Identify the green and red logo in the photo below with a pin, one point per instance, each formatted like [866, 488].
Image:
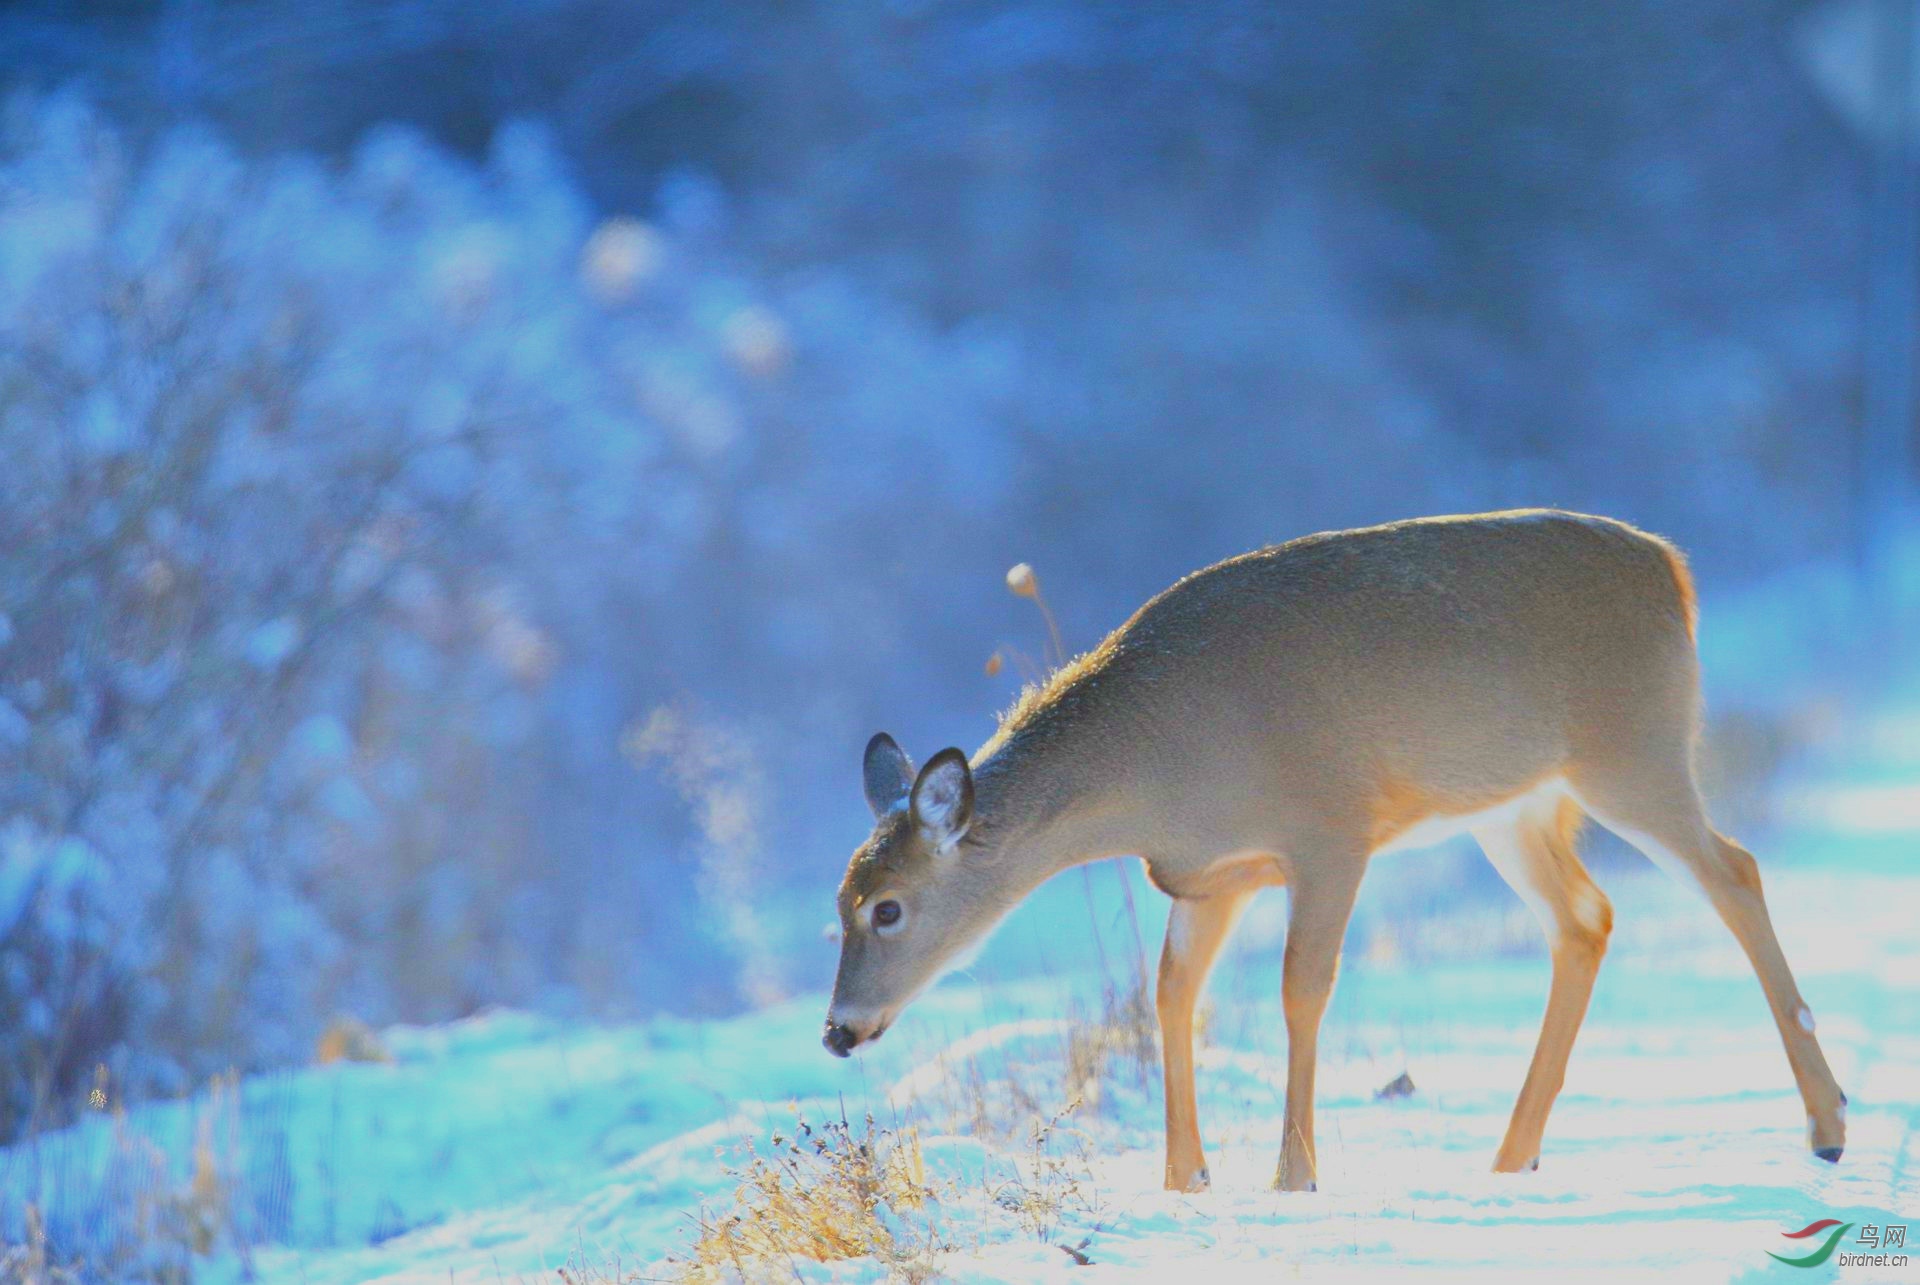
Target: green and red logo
[1831, 1228]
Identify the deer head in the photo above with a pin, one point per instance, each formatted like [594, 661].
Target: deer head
[917, 894]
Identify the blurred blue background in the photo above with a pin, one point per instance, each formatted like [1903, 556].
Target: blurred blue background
[472, 476]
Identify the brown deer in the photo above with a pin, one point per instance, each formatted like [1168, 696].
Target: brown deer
[1279, 718]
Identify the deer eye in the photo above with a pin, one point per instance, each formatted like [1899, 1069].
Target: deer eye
[888, 915]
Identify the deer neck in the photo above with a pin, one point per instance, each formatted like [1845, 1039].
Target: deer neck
[1050, 797]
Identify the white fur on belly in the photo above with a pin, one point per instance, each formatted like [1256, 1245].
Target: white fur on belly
[1428, 831]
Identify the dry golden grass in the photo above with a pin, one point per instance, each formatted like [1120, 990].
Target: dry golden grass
[836, 1192]
[848, 1190]
[153, 1222]
[31, 1263]
[584, 1269]
[1123, 1040]
[1054, 1184]
[168, 1223]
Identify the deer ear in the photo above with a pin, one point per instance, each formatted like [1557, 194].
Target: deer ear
[943, 799]
[888, 774]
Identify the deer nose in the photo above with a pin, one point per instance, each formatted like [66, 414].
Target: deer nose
[839, 1039]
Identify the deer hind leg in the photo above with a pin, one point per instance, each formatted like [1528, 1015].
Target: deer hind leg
[1320, 903]
[1196, 929]
[1534, 853]
[1659, 812]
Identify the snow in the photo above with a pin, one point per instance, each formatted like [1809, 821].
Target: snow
[501, 1147]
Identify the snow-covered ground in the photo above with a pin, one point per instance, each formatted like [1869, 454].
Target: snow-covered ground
[502, 1147]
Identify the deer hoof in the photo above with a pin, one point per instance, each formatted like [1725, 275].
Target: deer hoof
[1829, 1154]
[1197, 1181]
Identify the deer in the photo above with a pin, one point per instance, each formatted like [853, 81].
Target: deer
[1278, 719]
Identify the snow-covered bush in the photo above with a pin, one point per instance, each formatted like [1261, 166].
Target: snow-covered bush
[347, 515]
[63, 994]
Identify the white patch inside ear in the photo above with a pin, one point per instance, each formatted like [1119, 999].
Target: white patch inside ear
[939, 805]
[944, 842]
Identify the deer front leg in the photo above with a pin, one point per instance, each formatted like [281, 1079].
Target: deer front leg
[1321, 903]
[1196, 929]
